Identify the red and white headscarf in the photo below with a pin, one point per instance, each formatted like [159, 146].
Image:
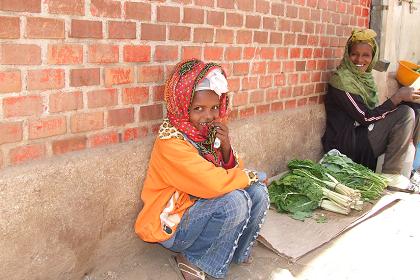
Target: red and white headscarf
[179, 93]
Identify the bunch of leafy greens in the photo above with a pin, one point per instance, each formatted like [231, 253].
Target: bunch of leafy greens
[353, 175]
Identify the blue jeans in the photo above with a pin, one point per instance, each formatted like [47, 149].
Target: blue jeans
[214, 232]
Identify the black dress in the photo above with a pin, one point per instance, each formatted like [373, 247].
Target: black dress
[348, 121]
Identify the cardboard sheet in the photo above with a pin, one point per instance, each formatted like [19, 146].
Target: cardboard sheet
[292, 239]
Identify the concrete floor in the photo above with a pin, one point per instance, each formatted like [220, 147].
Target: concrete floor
[386, 247]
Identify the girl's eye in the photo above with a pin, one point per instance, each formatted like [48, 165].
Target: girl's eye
[215, 107]
[197, 108]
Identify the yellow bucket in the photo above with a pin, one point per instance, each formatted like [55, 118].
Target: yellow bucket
[406, 73]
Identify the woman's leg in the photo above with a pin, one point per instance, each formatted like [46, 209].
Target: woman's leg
[209, 231]
[393, 136]
[260, 203]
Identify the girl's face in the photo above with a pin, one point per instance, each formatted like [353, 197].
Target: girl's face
[361, 56]
[204, 109]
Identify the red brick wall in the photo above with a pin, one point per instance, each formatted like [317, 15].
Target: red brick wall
[77, 74]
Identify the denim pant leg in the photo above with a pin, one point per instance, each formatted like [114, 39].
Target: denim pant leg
[208, 232]
[260, 204]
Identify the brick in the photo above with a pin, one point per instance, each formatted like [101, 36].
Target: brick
[31, 6]
[44, 28]
[134, 133]
[46, 127]
[260, 37]
[67, 7]
[279, 80]
[9, 27]
[289, 39]
[224, 36]
[138, 11]
[99, 53]
[121, 30]
[265, 81]
[84, 77]
[207, 3]
[256, 97]
[45, 79]
[234, 20]
[240, 68]
[191, 52]
[136, 53]
[245, 5]
[262, 6]
[151, 112]
[10, 132]
[102, 98]
[103, 139]
[294, 52]
[282, 53]
[227, 4]
[272, 95]
[215, 18]
[252, 21]
[120, 117]
[288, 66]
[262, 109]
[258, 68]
[291, 11]
[153, 32]
[277, 106]
[290, 104]
[179, 33]
[135, 95]
[244, 37]
[269, 23]
[203, 35]
[23, 154]
[240, 99]
[30, 105]
[86, 121]
[247, 112]
[249, 83]
[65, 54]
[233, 53]
[234, 84]
[166, 53]
[284, 25]
[168, 14]
[300, 65]
[276, 38]
[274, 67]
[213, 53]
[158, 93]
[86, 29]
[105, 8]
[148, 74]
[119, 76]
[20, 54]
[277, 9]
[297, 26]
[192, 15]
[69, 145]
[10, 81]
[63, 102]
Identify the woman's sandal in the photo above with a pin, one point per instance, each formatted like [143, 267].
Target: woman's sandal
[181, 267]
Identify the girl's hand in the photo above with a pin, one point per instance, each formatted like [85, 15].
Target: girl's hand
[222, 132]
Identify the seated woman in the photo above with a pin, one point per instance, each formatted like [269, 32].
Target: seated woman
[198, 199]
[356, 125]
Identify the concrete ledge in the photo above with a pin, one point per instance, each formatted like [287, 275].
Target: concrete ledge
[73, 215]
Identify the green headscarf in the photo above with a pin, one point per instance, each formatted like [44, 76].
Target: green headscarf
[349, 78]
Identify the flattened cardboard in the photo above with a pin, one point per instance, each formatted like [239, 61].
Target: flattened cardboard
[292, 239]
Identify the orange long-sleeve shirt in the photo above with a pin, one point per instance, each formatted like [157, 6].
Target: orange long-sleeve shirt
[177, 173]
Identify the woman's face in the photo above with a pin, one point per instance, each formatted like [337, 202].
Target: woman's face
[360, 55]
[204, 109]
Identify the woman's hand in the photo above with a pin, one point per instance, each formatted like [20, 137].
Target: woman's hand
[222, 132]
[403, 94]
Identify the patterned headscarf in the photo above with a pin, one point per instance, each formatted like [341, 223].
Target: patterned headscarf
[349, 78]
[179, 93]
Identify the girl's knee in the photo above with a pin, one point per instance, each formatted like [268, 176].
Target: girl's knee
[236, 205]
[258, 193]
